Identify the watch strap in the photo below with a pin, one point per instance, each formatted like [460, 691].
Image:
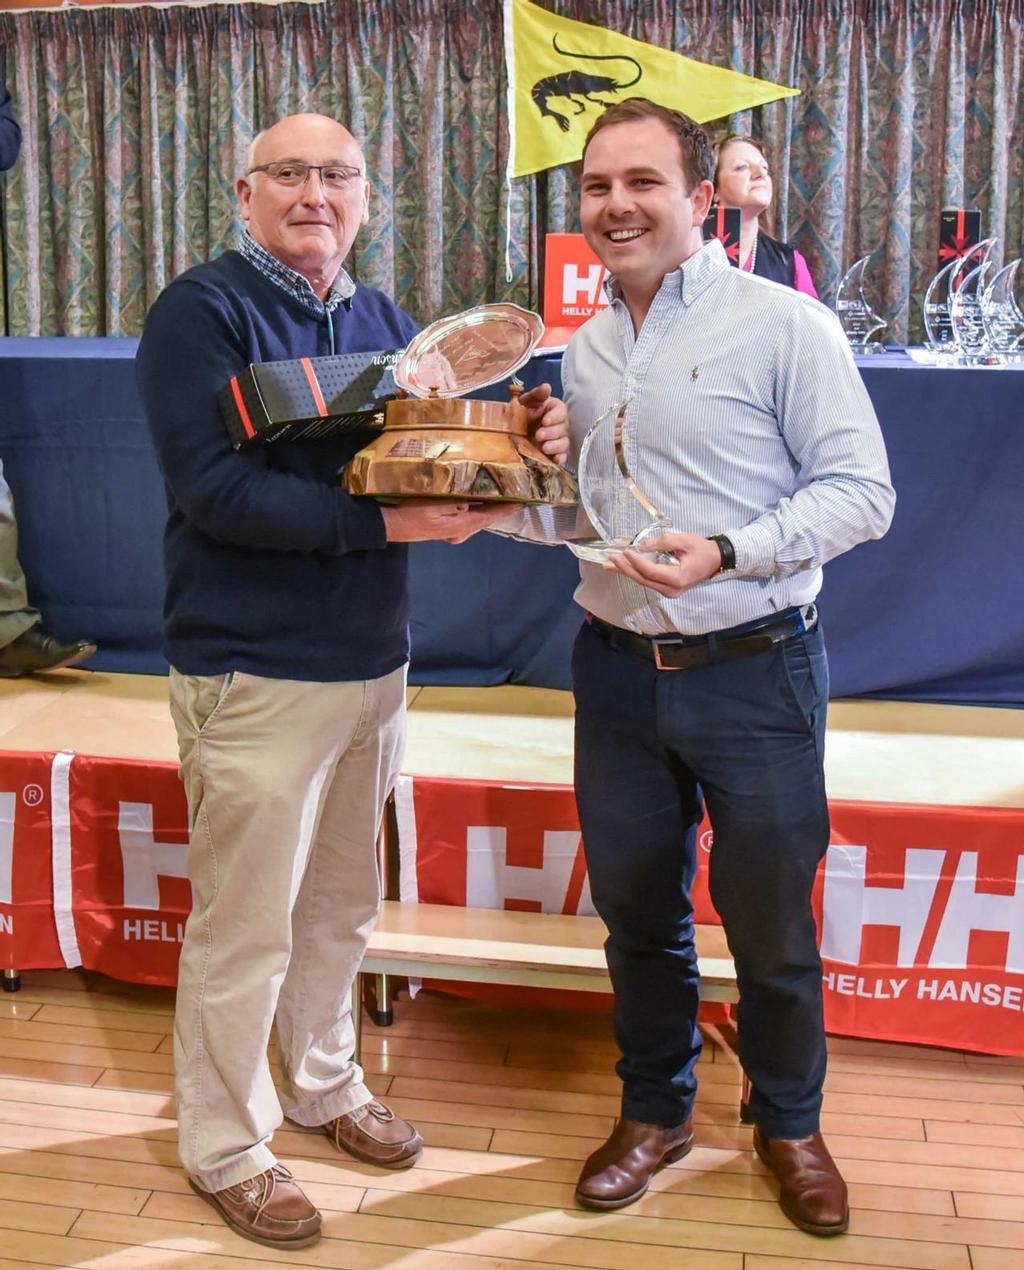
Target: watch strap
[727, 551]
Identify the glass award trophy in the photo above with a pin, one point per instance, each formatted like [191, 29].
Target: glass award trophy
[942, 338]
[938, 325]
[966, 289]
[619, 511]
[1002, 316]
[856, 316]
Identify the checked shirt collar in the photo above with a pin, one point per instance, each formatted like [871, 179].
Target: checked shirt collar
[298, 287]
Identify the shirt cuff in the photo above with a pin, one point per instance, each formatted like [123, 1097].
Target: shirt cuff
[754, 546]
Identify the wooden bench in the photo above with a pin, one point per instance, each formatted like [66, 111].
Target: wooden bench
[531, 950]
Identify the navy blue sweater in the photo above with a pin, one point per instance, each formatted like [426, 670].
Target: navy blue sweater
[272, 569]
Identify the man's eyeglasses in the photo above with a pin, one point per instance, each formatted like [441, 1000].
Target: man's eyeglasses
[333, 176]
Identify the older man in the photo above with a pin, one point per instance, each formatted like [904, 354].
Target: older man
[286, 628]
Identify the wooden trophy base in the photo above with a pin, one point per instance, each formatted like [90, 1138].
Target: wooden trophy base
[457, 448]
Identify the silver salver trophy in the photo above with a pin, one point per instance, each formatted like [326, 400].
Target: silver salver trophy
[856, 316]
[1002, 316]
[617, 508]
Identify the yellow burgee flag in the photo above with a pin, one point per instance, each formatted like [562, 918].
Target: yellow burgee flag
[562, 74]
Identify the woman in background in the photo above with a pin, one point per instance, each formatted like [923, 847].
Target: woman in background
[742, 180]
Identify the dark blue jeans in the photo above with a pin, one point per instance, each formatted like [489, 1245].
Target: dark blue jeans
[750, 735]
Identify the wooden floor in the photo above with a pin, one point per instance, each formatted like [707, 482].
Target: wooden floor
[932, 1144]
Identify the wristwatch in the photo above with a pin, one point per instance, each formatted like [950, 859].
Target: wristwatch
[726, 550]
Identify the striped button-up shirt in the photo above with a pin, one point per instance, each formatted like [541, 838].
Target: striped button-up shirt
[747, 417]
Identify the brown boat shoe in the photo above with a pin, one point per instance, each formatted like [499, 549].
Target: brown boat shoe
[620, 1171]
[812, 1192]
[269, 1209]
[374, 1134]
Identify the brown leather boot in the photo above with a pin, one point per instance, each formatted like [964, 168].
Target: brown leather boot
[375, 1135]
[620, 1171]
[269, 1209]
[812, 1192]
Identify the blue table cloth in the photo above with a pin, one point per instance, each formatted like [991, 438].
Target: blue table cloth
[933, 612]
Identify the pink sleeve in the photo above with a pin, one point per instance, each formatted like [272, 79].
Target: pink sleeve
[802, 280]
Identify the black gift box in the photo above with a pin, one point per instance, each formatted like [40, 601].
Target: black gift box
[723, 223]
[307, 397]
[959, 231]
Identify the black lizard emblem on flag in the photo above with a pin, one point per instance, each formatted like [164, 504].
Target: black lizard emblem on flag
[577, 87]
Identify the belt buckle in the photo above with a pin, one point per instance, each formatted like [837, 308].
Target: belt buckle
[658, 644]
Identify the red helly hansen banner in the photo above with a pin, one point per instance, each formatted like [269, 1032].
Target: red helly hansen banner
[573, 281]
[28, 930]
[129, 840]
[921, 908]
[482, 845]
[923, 925]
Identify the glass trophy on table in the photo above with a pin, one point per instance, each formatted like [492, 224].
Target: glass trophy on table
[941, 336]
[1002, 315]
[938, 325]
[621, 514]
[856, 316]
[966, 289]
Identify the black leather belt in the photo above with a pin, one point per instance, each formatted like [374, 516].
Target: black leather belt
[684, 652]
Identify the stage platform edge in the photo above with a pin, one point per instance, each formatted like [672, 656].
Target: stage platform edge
[876, 751]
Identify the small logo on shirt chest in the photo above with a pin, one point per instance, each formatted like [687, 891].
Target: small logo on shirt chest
[694, 374]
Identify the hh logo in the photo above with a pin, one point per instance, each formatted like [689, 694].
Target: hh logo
[553, 887]
[935, 915]
[583, 286]
[572, 281]
[144, 859]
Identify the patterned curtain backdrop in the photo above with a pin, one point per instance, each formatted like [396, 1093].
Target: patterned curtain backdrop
[137, 120]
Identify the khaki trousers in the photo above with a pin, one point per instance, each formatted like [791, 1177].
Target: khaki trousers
[286, 784]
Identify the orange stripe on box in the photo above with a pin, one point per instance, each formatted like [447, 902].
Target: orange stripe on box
[318, 396]
[236, 392]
